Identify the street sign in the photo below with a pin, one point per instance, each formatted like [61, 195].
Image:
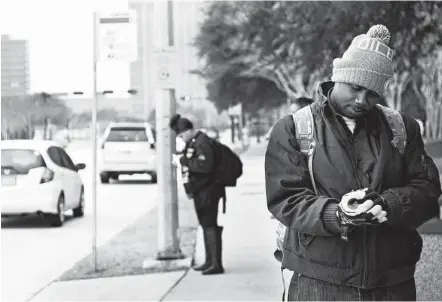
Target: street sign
[164, 61]
[117, 36]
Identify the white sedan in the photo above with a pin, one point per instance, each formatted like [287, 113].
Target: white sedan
[39, 177]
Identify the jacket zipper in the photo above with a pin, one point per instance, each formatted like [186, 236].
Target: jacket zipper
[364, 270]
[352, 155]
[364, 228]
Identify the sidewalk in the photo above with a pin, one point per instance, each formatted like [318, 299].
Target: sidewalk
[252, 274]
[148, 287]
[248, 244]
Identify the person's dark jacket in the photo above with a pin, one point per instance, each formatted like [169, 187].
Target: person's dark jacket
[202, 169]
[374, 256]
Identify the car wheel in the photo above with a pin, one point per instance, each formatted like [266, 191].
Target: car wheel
[104, 177]
[57, 220]
[79, 211]
[154, 179]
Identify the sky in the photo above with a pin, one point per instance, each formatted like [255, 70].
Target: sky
[60, 35]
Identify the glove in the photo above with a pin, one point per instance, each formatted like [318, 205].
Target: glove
[175, 160]
[361, 207]
[190, 152]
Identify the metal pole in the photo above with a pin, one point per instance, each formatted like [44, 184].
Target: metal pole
[145, 59]
[168, 243]
[94, 141]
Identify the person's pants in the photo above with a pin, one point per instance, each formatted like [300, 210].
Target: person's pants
[208, 214]
[208, 219]
[306, 289]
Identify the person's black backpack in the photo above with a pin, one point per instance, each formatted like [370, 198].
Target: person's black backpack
[228, 166]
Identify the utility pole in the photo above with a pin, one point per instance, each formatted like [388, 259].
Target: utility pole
[165, 81]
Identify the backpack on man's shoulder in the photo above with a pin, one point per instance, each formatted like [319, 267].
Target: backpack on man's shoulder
[305, 127]
[228, 166]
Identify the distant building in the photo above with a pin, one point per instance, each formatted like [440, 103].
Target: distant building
[15, 67]
[187, 16]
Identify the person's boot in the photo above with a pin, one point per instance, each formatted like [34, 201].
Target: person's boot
[208, 262]
[215, 243]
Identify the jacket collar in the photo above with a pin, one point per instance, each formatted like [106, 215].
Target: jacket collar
[371, 120]
[193, 139]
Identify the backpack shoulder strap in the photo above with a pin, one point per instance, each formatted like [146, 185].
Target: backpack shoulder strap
[397, 127]
[305, 126]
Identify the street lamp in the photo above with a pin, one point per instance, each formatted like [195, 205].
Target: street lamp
[185, 98]
[188, 98]
[132, 91]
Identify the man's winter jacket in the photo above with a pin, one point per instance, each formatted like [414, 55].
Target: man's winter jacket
[374, 256]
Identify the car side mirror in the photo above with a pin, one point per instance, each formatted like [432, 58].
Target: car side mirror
[80, 166]
[152, 145]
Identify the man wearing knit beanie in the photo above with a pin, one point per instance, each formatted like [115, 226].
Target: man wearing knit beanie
[352, 206]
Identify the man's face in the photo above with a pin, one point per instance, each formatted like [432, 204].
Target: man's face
[353, 101]
[186, 135]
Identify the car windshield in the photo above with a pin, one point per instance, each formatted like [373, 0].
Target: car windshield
[20, 161]
[126, 134]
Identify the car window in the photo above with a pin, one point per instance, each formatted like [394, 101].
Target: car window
[20, 161]
[54, 155]
[127, 134]
[66, 160]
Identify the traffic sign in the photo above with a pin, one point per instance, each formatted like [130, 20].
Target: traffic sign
[118, 36]
[164, 61]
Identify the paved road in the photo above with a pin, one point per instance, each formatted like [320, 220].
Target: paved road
[33, 253]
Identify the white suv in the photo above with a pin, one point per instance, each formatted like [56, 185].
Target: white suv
[128, 148]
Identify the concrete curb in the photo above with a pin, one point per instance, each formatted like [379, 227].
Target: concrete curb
[150, 287]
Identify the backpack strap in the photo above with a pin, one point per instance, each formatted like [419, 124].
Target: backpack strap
[304, 125]
[397, 126]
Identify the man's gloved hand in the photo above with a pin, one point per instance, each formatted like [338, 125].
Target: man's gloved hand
[361, 207]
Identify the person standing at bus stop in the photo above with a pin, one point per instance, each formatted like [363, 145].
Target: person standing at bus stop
[198, 170]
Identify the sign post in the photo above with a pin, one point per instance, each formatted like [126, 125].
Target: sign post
[94, 142]
[114, 36]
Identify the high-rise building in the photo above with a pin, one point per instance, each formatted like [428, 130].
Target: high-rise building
[187, 15]
[15, 67]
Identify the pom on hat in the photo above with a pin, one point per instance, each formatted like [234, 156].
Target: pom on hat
[379, 32]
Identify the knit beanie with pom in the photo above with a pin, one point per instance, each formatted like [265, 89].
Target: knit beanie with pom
[368, 62]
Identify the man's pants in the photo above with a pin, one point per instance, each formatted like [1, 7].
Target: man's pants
[306, 289]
